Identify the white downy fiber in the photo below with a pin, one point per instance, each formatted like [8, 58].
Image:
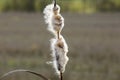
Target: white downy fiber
[53, 19]
[59, 53]
[59, 48]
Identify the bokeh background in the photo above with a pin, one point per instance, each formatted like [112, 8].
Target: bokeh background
[92, 31]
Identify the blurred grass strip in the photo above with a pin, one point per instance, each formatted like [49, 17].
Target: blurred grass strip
[79, 6]
[3, 5]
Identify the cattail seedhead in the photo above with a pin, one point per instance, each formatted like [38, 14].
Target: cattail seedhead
[53, 18]
[59, 53]
[58, 22]
[59, 47]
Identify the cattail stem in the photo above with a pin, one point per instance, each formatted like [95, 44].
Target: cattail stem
[61, 75]
[54, 3]
[58, 34]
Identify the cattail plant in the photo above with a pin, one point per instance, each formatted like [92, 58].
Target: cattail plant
[59, 47]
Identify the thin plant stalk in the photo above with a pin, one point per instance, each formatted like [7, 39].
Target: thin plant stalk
[55, 3]
[61, 76]
[22, 70]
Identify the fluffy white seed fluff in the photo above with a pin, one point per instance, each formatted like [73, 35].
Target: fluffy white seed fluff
[59, 47]
[53, 18]
[59, 53]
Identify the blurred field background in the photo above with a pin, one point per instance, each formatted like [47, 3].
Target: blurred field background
[92, 31]
[79, 6]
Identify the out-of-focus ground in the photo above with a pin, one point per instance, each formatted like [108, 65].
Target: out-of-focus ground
[93, 40]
